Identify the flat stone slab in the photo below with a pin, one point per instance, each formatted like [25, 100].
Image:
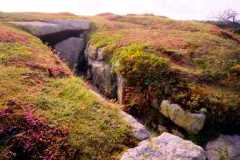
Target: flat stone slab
[165, 147]
[42, 28]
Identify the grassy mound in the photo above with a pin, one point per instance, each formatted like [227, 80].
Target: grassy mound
[195, 64]
[46, 112]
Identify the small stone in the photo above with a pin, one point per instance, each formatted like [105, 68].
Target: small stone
[203, 110]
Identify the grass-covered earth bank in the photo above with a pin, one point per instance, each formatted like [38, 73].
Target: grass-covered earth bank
[194, 64]
[46, 112]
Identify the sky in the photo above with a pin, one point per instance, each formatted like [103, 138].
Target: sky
[176, 9]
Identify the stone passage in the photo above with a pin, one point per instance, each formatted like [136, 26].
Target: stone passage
[67, 37]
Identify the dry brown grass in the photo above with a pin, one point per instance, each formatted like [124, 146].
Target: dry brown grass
[31, 16]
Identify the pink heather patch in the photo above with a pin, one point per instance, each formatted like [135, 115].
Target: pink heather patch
[9, 36]
[28, 137]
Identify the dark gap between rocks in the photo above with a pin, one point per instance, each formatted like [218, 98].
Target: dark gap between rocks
[70, 46]
[54, 38]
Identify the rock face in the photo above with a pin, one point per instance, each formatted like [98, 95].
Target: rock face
[225, 147]
[71, 50]
[191, 122]
[139, 131]
[165, 147]
[100, 73]
[39, 28]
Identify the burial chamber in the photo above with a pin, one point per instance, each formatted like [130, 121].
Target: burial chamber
[66, 37]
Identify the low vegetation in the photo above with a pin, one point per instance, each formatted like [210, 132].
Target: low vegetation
[191, 63]
[33, 16]
[46, 112]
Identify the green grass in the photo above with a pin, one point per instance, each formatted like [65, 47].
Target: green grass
[11, 83]
[11, 51]
[217, 53]
[101, 40]
[96, 130]
[19, 84]
[131, 62]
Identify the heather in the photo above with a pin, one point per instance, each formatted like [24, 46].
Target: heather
[30, 16]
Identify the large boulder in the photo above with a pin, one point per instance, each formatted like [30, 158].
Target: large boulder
[70, 50]
[40, 28]
[191, 122]
[165, 147]
[225, 147]
[138, 130]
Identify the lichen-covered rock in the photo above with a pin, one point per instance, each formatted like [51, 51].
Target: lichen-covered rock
[102, 77]
[100, 72]
[70, 50]
[191, 122]
[94, 53]
[91, 52]
[225, 147]
[165, 147]
[138, 130]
